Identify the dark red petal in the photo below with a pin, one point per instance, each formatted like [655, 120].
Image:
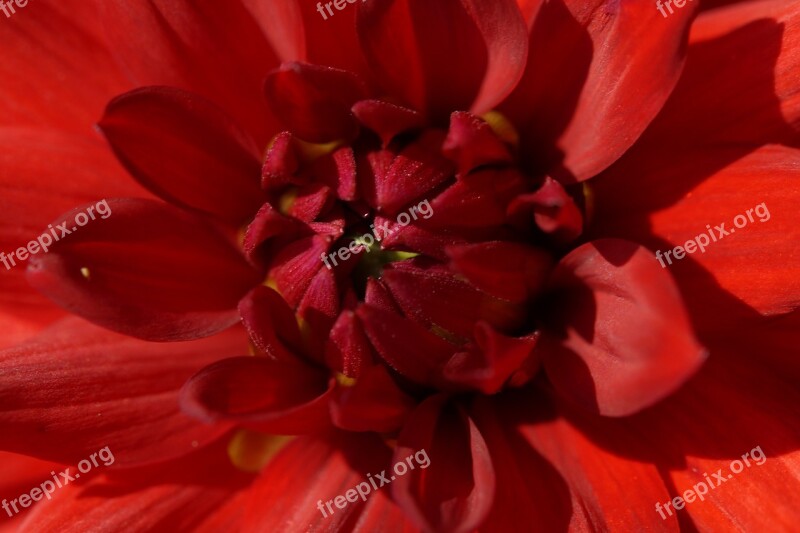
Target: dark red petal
[554, 211]
[199, 48]
[386, 119]
[148, 270]
[373, 403]
[314, 102]
[472, 143]
[182, 495]
[338, 172]
[271, 324]
[331, 466]
[296, 265]
[529, 490]
[456, 494]
[491, 362]
[507, 270]
[416, 170]
[435, 297]
[77, 388]
[318, 311]
[186, 150]
[280, 163]
[477, 65]
[619, 337]
[478, 200]
[280, 397]
[625, 59]
[405, 345]
[348, 350]
[271, 227]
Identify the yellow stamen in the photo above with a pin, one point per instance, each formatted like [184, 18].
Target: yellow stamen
[86, 274]
[345, 381]
[502, 127]
[251, 451]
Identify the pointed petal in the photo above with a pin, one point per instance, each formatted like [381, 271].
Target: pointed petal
[456, 494]
[186, 150]
[147, 270]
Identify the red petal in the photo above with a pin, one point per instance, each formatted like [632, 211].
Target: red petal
[620, 337]
[435, 297]
[332, 466]
[422, 360]
[687, 198]
[477, 201]
[489, 364]
[199, 48]
[280, 163]
[280, 397]
[94, 173]
[472, 143]
[751, 102]
[179, 496]
[373, 403]
[386, 119]
[148, 270]
[35, 78]
[476, 66]
[507, 270]
[625, 60]
[271, 324]
[419, 168]
[554, 211]
[456, 494]
[348, 350]
[314, 102]
[77, 388]
[186, 150]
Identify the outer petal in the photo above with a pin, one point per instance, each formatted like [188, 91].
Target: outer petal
[619, 334]
[43, 87]
[474, 68]
[218, 53]
[330, 466]
[594, 476]
[755, 268]
[93, 174]
[148, 270]
[176, 497]
[186, 150]
[455, 495]
[750, 101]
[77, 388]
[625, 60]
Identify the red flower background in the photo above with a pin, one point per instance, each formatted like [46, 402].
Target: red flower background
[524, 335]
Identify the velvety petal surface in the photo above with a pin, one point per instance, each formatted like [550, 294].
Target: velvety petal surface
[77, 388]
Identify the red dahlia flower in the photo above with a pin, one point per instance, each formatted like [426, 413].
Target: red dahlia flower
[441, 226]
